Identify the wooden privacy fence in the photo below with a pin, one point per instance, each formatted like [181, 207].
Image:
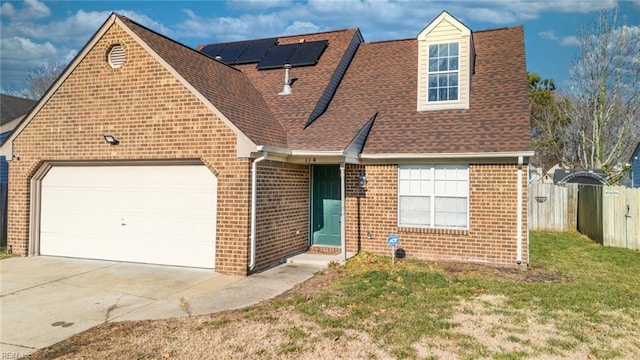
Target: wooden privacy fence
[553, 207]
[609, 215]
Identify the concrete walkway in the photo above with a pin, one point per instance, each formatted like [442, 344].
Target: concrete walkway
[44, 300]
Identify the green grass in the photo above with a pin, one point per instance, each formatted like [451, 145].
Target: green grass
[578, 299]
[3, 253]
[573, 283]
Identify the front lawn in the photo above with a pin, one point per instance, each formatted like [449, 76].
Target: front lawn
[577, 300]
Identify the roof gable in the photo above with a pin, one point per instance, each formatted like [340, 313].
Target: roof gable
[224, 87]
[444, 19]
[12, 107]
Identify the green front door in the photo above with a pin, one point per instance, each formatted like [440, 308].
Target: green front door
[326, 203]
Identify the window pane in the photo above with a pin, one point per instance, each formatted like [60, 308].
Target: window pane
[443, 94]
[453, 93]
[453, 63]
[442, 64]
[433, 81]
[415, 210]
[433, 94]
[433, 51]
[453, 49]
[442, 80]
[453, 79]
[433, 64]
[444, 50]
[451, 212]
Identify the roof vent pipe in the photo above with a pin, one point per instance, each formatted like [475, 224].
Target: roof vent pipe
[218, 57]
[287, 80]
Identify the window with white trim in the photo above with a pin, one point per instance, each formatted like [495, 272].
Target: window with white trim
[443, 72]
[433, 196]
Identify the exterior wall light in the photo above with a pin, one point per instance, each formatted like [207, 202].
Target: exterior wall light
[111, 140]
[362, 180]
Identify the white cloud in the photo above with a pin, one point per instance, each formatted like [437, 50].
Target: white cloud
[562, 40]
[31, 9]
[6, 9]
[301, 27]
[79, 27]
[569, 41]
[257, 4]
[20, 54]
[548, 34]
[230, 28]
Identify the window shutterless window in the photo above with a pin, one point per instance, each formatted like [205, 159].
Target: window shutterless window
[443, 72]
[433, 196]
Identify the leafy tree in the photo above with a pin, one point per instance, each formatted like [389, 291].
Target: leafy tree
[548, 123]
[603, 104]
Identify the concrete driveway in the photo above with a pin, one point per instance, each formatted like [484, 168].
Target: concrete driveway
[44, 300]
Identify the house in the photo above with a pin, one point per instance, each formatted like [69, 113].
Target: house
[635, 167]
[237, 156]
[12, 109]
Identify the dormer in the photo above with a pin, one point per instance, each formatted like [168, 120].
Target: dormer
[445, 64]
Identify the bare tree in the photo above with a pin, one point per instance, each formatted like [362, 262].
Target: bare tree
[39, 79]
[604, 98]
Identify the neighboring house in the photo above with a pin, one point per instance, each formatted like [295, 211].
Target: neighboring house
[145, 150]
[635, 167]
[579, 176]
[12, 109]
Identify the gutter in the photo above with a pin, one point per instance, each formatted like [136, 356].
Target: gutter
[447, 155]
[519, 214]
[254, 196]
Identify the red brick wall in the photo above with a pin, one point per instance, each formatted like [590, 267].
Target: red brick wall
[282, 226]
[154, 116]
[491, 238]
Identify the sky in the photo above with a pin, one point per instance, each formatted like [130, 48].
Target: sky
[35, 32]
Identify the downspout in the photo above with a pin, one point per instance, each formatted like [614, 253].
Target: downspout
[343, 210]
[519, 214]
[254, 207]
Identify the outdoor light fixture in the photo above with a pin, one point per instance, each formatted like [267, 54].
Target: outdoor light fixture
[111, 140]
[362, 180]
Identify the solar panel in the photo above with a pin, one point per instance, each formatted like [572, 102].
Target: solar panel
[232, 51]
[213, 50]
[256, 51]
[277, 56]
[307, 53]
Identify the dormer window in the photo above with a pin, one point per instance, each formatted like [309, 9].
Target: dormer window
[445, 65]
[443, 72]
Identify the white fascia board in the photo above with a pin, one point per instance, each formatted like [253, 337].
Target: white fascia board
[491, 155]
[7, 150]
[308, 156]
[244, 145]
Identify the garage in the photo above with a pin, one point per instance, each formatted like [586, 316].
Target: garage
[156, 214]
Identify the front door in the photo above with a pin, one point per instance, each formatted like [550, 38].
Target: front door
[326, 203]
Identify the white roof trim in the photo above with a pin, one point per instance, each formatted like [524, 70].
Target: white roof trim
[243, 141]
[352, 157]
[444, 16]
[7, 150]
[446, 155]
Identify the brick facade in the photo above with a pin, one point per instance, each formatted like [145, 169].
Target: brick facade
[282, 226]
[155, 118]
[490, 239]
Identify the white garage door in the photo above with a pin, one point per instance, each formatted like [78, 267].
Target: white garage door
[148, 214]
